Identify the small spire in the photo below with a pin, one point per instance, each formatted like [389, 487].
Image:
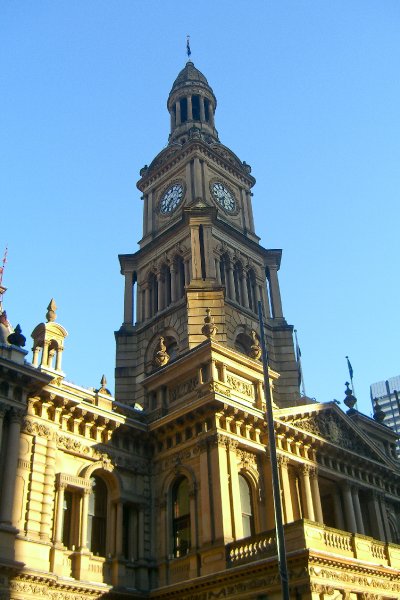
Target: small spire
[350, 400]
[188, 50]
[51, 311]
[103, 389]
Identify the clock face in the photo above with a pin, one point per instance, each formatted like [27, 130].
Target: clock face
[171, 198]
[223, 196]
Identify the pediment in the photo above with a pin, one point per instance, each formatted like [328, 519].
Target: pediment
[335, 427]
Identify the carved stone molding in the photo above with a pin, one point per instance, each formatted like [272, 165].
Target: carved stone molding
[35, 428]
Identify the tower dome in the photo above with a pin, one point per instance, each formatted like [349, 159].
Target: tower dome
[191, 104]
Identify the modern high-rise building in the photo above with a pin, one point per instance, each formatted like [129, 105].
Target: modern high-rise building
[385, 396]
[165, 491]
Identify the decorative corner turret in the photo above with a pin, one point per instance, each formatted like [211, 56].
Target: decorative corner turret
[48, 342]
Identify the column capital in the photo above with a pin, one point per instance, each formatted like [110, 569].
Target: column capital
[17, 414]
[4, 408]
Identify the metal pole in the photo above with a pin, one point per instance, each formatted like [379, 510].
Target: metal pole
[280, 537]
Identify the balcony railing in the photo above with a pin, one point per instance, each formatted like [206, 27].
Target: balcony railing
[304, 534]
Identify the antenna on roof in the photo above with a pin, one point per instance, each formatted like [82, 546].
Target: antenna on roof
[188, 50]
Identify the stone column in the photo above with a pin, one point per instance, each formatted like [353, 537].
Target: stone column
[217, 271]
[197, 178]
[220, 489]
[59, 514]
[84, 520]
[3, 410]
[196, 259]
[189, 108]
[160, 290]
[10, 467]
[378, 530]
[319, 517]
[139, 304]
[357, 510]
[250, 211]
[128, 298]
[211, 114]
[178, 112]
[306, 493]
[187, 272]
[141, 532]
[243, 289]
[118, 529]
[45, 353]
[206, 506]
[48, 487]
[36, 352]
[147, 311]
[231, 282]
[235, 490]
[287, 498]
[385, 521]
[349, 508]
[338, 510]
[275, 293]
[202, 110]
[174, 290]
[60, 350]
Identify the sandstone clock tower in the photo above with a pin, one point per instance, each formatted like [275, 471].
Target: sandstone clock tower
[199, 251]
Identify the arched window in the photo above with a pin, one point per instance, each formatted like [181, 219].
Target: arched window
[181, 517]
[246, 505]
[97, 517]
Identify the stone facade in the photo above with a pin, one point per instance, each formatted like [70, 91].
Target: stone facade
[165, 490]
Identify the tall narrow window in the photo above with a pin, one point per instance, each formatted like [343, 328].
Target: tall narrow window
[181, 517]
[246, 504]
[97, 517]
[67, 533]
[184, 111]
[196, 107]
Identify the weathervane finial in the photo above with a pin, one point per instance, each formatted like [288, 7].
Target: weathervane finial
[188, 50]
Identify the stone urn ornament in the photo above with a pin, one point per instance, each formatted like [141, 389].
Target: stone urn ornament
[209, 328]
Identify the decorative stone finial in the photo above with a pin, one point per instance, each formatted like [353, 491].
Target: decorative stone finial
[350, 400]
[103, 389]
[209, 328]
[255, 348]
[51, 311]
[161, 356]
[16, 338]
[379, 415]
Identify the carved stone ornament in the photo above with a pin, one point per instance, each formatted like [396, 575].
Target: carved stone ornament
[255, 349]
[331, 427]
[161, 356]
[209, 328]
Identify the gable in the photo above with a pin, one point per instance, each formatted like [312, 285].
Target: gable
[332, 425]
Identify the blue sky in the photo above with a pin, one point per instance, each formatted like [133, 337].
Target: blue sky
[308, 94]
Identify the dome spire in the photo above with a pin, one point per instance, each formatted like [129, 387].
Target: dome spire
[191, 105]
[188, 50]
